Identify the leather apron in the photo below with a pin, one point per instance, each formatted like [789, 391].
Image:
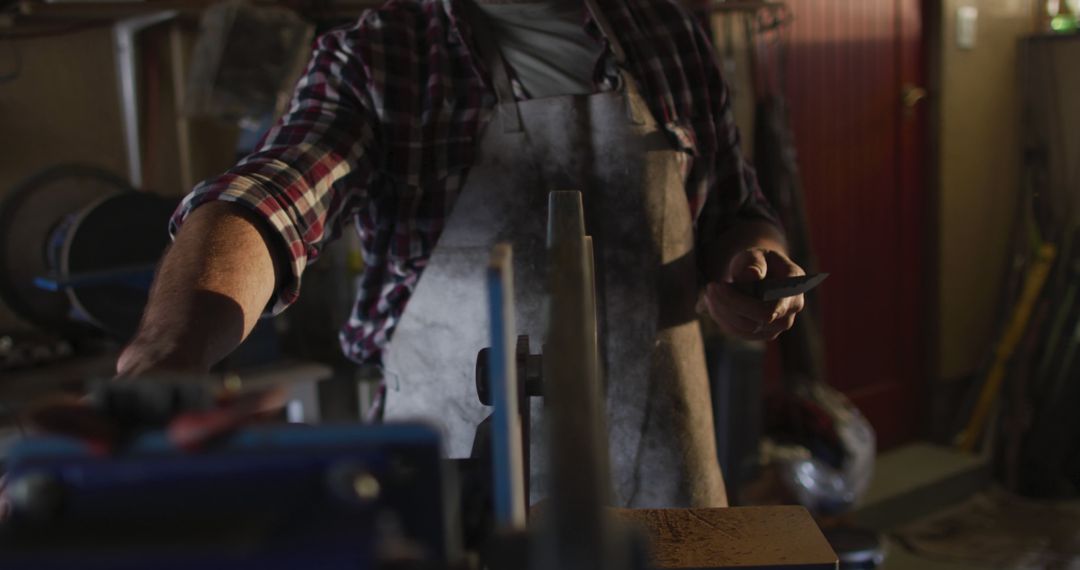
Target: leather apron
[608, 146]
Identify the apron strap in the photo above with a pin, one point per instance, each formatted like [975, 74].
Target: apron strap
[629, 87]
[608, 32]
[507, 108]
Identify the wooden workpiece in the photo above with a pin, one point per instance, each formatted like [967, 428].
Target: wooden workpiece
[736, 537]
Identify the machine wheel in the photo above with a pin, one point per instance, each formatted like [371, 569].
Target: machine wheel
[29, 213]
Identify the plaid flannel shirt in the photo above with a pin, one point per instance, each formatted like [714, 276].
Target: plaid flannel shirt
[383, 127]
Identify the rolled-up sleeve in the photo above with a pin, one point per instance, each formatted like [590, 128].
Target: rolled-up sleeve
[313, 169]
[728, 181]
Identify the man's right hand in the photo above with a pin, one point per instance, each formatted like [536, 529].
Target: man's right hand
[212, 286]
[742, 316]
[188, 429]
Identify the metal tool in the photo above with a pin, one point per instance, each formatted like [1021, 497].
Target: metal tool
[281, 497]
[776, 289]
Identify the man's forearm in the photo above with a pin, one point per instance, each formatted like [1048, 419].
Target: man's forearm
[742, 235]
[212, 285]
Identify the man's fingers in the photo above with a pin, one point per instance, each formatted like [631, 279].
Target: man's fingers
[255, 401]
[798, 303]
[744, 316]
[193, 429]
[71, 417]
[748, 265]
[762, 312]
[772, 331]
[730, 322]
[788, 306]
[781, 325]
[738, 325]
[781, 266]
[724, 294]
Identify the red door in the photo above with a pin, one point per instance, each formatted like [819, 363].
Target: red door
[861, 154]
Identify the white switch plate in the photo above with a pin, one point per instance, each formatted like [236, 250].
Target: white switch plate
[967, 26]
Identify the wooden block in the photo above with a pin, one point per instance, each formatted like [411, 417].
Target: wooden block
[736, 537]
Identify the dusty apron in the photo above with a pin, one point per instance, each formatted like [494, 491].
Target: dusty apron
[608, 146]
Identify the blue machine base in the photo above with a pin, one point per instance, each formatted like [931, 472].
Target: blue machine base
[272, 497]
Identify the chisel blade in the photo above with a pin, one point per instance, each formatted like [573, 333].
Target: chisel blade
[775, 289]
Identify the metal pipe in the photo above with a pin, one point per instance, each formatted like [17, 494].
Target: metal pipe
[125, 52]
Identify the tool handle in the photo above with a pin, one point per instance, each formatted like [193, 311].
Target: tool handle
[780, 288]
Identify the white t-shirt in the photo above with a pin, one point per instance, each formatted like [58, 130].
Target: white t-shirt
[545, 44]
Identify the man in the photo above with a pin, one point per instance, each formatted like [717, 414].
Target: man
[438, 127]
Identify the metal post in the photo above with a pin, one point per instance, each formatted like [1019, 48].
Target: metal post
[183, 124]
[126, 52]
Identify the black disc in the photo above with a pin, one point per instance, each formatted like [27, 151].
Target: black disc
[120, 232]
[28, 214]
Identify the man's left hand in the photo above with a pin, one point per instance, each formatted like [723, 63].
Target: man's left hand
[743, 316]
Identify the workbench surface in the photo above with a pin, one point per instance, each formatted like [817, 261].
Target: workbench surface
[736, 537]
